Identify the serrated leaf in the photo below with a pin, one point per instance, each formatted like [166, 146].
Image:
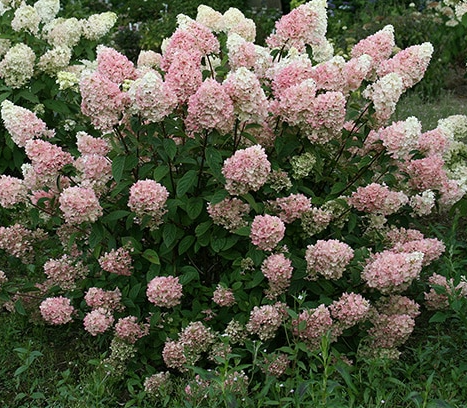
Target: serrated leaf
[189, 273]
[115, 215]
[217, 244]
[438, 317]
[337, 187]
[134, 291]
[57, 106]
[118, 165]
[187, 181]
[160, 172]
[19, 308]
[202, 228]
[169, 234]
[170, 148]
[244, 231]
[151, 256]
[194, 207]
[185, 244]
[214, 161]
[258, 277]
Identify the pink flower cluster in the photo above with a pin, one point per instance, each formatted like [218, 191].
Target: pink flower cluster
[193, 340]
[401, 138]
[267, 231]
[117, 261]
[328, 117]
[328, 258]
[57, 310]
[64, 272]
[102, 101]
[88, 144]
[289, 73]
[151, 97]
[18, 241]
[389, 271]
[390, 331]
[229, 213]
[22, 124]
[184, 75]
[266, 320]
[223, 296]
[196, 338]
[292, 207]
[350, 309]
[12, 191]
[148, 197]
[431, 248]
[46, 158]
[79, 205]
[97, 298]
[129, 330]
[378, 199]
[398, 304]
[191, 37]
[276, 364]
[427, 173]
[98, 321]
[311, 325]
[278, 270]
[249, 100]
[94, 171]
[114, 65]
[210, 108]
[246, 170]
[304, 25]
[157, 382]
[378, 46]
[164, 291]
[173, 355]
[410, 63]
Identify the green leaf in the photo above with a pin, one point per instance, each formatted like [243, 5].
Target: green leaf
[170, 148]
[244, 231]
[186, 182]
[20, 370]
[19, 308]
[29, 96]
[338, 187]
[189, 274]
[4, 95]
[115, 215]
[160, 172]
[169, 234]
[214, 162]
[134, 291]
[118, 165]
[151, 256]
[202, 228]
[258, 277]
[185, 244]
[438, 317]
[217, 244]
[194, 207]
[57, 106]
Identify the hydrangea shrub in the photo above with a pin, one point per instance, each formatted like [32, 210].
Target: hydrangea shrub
[228, 192]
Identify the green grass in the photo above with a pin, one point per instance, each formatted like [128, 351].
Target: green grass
[429, 112]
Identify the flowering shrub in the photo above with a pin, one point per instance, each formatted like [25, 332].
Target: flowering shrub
[214, 203]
